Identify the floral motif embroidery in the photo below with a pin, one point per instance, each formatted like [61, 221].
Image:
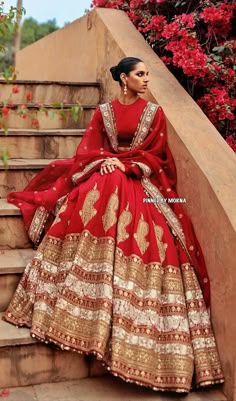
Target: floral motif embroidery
[109, 218]
[161, 245]
[142, 231]
[124, 220]
[88, 211]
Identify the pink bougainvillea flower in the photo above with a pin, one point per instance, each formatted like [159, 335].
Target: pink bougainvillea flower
[5, 112]
[5, 392]
[35, 123]
[231, 142]
[15, 89]
[28, 96]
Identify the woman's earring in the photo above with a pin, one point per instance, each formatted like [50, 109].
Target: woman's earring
[125, 89]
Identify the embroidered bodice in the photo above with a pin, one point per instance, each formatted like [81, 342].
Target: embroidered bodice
[127, 125]
[127, 118]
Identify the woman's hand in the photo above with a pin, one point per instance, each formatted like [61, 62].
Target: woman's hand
[110, 164]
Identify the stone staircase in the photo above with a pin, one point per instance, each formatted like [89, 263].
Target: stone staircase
[24, 361]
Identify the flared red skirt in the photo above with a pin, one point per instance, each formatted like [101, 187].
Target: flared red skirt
[110, 278]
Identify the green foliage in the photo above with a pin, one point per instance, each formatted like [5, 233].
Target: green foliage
[31, 31]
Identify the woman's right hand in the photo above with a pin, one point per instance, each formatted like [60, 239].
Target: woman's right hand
[110, 165]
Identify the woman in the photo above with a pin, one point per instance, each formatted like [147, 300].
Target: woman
[119, 272]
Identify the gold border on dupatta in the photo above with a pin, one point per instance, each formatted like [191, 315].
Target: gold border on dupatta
[37, 224]
[109, 124]
[89, 167]
[151, 190]
[144, 124]
[143, 128]
[145, 169]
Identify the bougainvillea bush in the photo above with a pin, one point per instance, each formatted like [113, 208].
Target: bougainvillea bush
[196, 39]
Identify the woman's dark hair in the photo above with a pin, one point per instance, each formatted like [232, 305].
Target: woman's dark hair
[126, 65]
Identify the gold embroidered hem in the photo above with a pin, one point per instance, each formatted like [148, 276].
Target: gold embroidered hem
[147, 322]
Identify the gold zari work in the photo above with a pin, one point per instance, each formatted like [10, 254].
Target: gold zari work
[124, 220]
[157, 338]
[161, 246]
[142, 231]
[88, 211]
[109, 218]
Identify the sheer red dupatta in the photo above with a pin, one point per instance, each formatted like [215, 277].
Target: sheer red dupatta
[149, 152]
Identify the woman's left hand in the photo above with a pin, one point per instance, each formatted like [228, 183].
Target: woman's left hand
[110, 164]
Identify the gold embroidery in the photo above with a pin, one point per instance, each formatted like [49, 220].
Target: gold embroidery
[144, 124]
[142, 231]
[59, 204]
[161, 245]
[165, 209]
[37, 224]
[88, 211]
[124, 220]
[109, 218]
[61, 210]
[109, 123]
[160, 349]
[143, 128]
[89, 167]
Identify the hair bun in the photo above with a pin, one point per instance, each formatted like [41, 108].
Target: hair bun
[115, 73]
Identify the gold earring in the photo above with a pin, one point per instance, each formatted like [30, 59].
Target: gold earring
[125, 89]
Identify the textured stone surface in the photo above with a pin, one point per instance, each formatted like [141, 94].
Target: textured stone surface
[52, 92]
[49, 144]
[14, 119]
[8, 284]
[23, 365]
[109, 388]
[11, 335]
[14, 260]
[12, 264]
[13, 233]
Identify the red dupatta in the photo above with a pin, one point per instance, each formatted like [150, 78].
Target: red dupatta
[149, 151]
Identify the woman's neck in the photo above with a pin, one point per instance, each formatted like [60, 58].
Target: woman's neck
[129, 98]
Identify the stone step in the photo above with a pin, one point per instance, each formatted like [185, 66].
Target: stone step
[12, 265]
[19, 173]
[12, 231]
[33, 144]
[51, 92]
[57, 121]
[106, 388]
[23, 361]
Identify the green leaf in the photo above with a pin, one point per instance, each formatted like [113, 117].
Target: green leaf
[5, 129]
[4, 156]
[51, 114]
[58, 105]
[75, 112]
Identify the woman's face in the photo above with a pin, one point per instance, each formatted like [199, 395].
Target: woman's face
[137, 80]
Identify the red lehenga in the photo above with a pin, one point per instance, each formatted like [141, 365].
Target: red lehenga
[119, 272]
